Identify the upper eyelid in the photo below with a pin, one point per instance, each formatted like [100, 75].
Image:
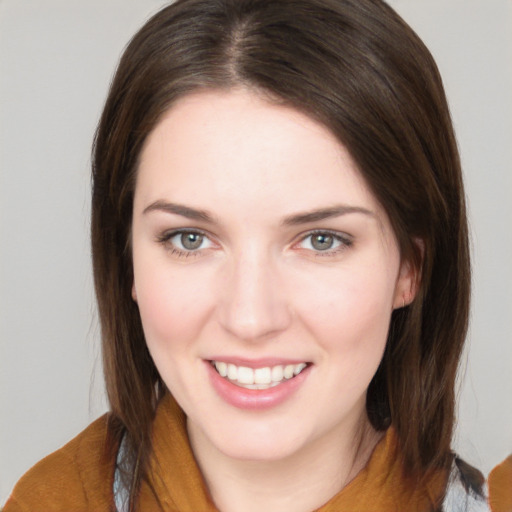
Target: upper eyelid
[332, 232]
[170, 233]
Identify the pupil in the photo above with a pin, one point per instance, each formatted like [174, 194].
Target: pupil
[322, 242]
[191, 241]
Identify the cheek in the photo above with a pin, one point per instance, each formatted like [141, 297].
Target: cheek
[172, 304]
[351, 311]
[349, 319]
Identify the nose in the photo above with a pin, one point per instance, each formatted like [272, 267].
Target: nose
[254, 304]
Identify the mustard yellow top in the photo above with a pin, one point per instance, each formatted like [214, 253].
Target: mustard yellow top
[78, 477]
[500, 487]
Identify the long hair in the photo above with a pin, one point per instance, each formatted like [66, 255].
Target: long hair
[356, 67]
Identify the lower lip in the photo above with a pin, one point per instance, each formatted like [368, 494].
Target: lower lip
[255, 399]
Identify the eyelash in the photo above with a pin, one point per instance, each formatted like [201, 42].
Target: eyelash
[165, 240]
[345, 241]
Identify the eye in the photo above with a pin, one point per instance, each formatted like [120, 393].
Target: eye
[325, 241]
[188, 241]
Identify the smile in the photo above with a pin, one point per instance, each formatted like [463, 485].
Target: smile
[257, 378]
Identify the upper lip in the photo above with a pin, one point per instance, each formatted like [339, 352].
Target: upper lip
[257, 363]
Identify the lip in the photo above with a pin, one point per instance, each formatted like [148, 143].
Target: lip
[255, 399]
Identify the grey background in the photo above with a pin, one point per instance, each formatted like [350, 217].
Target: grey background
[56, 61]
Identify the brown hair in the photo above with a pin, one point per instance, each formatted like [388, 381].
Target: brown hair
[357, 67]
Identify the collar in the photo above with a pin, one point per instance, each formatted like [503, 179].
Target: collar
[179, 485]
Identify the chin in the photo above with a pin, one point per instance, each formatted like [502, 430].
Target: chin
[254, 450]
[263, 441]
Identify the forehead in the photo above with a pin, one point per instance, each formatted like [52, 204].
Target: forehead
[236, 147]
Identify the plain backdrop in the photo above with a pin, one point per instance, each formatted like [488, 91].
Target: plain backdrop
[56, 60]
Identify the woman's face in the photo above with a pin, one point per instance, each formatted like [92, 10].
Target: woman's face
[265, 272]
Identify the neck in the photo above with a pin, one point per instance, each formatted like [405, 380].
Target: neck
[300, 482]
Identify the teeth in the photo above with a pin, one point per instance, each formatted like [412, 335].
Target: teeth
[259, 386]
[232, 372]
[288, 371]
[262, 376]
[298, 368]
[259, 378]
[277, 374]
[222, 368]
[245, 375]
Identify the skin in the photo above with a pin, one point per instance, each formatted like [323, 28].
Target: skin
[257, 287]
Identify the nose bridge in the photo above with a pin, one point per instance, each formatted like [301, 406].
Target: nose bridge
[254, 304]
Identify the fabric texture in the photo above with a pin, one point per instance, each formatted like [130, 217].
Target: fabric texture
[79, 477]
[500, 487]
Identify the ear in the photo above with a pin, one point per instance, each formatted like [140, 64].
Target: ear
[409, 279]
[134, 293]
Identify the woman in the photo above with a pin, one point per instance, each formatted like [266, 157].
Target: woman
[281, 266]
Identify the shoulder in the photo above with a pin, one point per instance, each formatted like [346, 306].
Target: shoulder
[500, 486]
[77, 477]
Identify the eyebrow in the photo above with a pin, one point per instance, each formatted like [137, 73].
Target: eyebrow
[324, 213]
[291, 220]
[179, 209]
